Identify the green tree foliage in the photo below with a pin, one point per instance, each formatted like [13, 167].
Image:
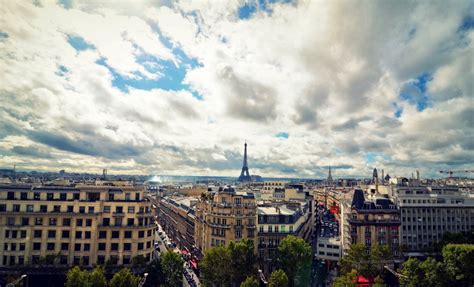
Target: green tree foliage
[434, 273]
[278, 278]
[155, 274]
[172, 264]
[76, 278]
[243, 260]
[139, 261]
[464, 237]
[368, 263]
[216, 267]
[459, 263]
[294, 255]
[97, 278]
[412, 273]
[347, 279]
[378, 282]
[124, 278]
[249, 282]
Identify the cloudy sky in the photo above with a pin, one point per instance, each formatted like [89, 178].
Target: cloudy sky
[165, 87]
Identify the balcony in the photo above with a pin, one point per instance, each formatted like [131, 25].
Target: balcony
[118, 214]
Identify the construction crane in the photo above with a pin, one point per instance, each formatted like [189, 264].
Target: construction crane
[450, 172]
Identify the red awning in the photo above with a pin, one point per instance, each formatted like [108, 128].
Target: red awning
[194, 264]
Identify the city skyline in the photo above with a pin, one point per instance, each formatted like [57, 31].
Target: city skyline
[157, 87]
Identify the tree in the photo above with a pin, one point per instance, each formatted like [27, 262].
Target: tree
[138, 261]
[97, 278]
[459, 263]
[155, 274]
[278, 278]
[249, 282]
[172, 265]
[433, 272]
[76, 278]
[242, 260]
[357, 258]
[294, 255]
[215, 267]
[124, 278]
[347, 279]
[378, 282]
[412, 273]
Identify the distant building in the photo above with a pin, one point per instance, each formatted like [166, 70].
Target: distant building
[83, 224]
[244, 174]
[226, 216]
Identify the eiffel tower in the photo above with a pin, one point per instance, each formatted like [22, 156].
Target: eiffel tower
[244, 174]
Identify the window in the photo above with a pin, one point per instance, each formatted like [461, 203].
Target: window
[78, 222]
[78, 234]
[23, 196]
[127, 246]
[22, 246]
[87, 235]
[49, 196]
[43, 208]
[37, 246]
[64, 246]
[131, 209]
[77, 247]
[51, 233]
[52, 221]
[3, 207]
[140, 246]
[106, 209]
[65, 234]
[141, 234]
[106, 221]
[87, 247]
[11, 221]
[130, 222]
[103, 234]
[118, 209]
[25, 221]
[115, 234]
[37, 234]
[66, 222]
[137, 196]
[50, 246]
[88, 222]
[10, 195]
[82, 209]
[101, 246]
[91, 209]
[75, 196]
[36, 196]
[127, 234]
[70, 208]
[127, 196]
[114, 246]
[57, 208]
[63, 196]
[111, 197]
[118, 221]
[16, 207]
[29, 208]
[7, 233]
[14, 233]
[238, 233]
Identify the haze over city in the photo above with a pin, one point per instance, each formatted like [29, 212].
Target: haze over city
[165, 87]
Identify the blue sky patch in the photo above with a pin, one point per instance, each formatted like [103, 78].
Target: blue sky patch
[78, 43]
[282, 135]
[61, 70]
[3, 35]
[466, 24]
[414, 92]
[248, 10]
[398, 110]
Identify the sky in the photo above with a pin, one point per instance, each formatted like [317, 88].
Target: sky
[177, 87]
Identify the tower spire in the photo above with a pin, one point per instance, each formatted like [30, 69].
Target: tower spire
[330, 175]
[244, 174]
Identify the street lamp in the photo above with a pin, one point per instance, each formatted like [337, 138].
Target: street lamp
[142, 282]
[262, 277]
[16, 281]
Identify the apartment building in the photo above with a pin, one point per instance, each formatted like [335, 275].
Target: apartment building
[370, 221]
[176, 216]
[427, 212]
[82, 224]
[228, 215]
[278, 221]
